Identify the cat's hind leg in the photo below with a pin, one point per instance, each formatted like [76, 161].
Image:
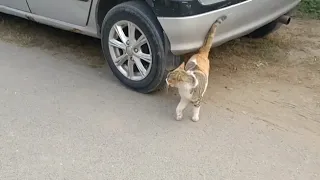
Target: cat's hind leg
[181, 106]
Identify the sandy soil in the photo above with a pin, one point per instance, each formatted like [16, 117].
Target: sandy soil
[275, 80]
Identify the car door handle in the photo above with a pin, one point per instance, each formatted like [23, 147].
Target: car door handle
[84, 0]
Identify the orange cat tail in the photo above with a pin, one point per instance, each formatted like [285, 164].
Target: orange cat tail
[205, 49]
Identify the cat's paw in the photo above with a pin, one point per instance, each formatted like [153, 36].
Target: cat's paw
[195, 118]
[179, 117]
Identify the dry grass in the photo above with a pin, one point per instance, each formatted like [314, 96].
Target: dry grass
[240, 54]
[31, 34]
[268, 50]
[289, 46]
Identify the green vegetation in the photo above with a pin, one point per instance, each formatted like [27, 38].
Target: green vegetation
[310, 9]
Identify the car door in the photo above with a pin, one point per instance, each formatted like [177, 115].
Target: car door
[16, 4]
[70, 11]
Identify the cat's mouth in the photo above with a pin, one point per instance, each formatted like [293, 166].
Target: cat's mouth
[168, 82]
[170, 85]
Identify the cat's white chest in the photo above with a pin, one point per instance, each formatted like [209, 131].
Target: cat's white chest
[185, 91]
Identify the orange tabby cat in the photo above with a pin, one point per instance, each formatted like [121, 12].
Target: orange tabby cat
[191, 77]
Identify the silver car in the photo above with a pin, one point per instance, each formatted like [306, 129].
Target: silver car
[142, 39]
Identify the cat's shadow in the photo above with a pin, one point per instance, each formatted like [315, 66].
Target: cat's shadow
[170, 101]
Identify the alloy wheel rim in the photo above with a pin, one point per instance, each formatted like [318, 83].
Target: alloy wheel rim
[130, 50]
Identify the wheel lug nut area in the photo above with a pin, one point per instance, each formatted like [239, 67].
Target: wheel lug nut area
[131, 53]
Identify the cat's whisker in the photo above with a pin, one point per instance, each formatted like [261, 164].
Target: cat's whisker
[167, 86]
[167, 89]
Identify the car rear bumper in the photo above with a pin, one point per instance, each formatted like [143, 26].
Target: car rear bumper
[187, 34]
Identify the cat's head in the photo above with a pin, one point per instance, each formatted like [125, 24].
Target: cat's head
[180, 77]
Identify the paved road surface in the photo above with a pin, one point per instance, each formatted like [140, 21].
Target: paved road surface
[65, 121]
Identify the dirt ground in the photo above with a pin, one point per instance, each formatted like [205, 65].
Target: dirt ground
[275, 79]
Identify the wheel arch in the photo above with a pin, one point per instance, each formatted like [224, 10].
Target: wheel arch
[104, 6]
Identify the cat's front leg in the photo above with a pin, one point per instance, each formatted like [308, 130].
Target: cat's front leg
[196, 111]
[181, 106]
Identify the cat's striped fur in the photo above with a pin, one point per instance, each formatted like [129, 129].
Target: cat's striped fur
[191, 78]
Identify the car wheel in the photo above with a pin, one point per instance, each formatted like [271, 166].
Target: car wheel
[133, 45]
[264, 30]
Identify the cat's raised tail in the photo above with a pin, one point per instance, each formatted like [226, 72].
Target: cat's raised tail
[205, 49]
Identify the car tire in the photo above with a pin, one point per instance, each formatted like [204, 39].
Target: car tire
[264, 30]
[142, 18]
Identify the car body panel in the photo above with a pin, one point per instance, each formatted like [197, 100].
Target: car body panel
[90, 29]
[208, 2]
[70, 11]
[187, 34]
[16, 4]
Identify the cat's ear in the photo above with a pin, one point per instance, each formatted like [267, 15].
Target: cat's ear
[181, 66]
[191, 65]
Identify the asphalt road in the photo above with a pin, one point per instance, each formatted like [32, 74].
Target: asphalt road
[65, 121]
